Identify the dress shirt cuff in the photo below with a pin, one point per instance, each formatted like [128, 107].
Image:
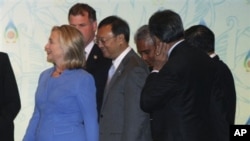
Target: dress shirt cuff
[156, 71]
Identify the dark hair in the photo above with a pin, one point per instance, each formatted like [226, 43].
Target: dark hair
[166, 25]
[200, 36]
[119, 26]
[80, 8]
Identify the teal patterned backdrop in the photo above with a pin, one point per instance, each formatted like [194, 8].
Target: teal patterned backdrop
[25, 27]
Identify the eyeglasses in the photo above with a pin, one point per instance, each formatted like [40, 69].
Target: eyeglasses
[102, 41]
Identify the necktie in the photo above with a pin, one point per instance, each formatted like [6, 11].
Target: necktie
[111, 73]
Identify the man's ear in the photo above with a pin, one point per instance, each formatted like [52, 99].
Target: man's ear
[94, 24]
[121, 38]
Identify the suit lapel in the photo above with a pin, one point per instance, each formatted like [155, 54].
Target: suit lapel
[116, 75]
[93, 56]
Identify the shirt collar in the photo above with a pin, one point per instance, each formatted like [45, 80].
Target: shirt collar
[171, 49]
[116, 62]
[88, 48]
[212, 55]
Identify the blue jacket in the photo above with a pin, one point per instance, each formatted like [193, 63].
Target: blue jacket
[65, 108]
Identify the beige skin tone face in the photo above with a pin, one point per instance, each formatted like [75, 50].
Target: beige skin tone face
[146, 49]
[84, 25]
[53, 48]
[55, 53]
[111, 45]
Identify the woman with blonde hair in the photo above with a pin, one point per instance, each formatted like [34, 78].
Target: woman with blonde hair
[65, 102]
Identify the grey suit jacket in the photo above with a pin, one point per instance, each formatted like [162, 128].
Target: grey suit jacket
[121, 118]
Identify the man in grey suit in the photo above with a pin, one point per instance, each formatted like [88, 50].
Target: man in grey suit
[121, 118]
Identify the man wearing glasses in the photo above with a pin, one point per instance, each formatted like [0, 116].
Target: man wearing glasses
[121, 118]
[83, 17]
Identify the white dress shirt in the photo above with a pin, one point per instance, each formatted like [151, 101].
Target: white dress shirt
[88, 48]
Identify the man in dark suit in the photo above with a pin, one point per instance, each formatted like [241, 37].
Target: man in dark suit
[83, 17]
[223, 94]
[121, 118]
[9, 99]
[179, 86]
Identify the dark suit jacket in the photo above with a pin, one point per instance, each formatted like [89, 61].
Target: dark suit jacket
[179, 96]
[223, 100]
[98, 66]
[121, 118]
[9, 99]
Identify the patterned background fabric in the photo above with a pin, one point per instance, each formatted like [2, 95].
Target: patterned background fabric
[26, 24]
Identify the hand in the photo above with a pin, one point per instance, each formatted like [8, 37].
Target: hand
[161, 56]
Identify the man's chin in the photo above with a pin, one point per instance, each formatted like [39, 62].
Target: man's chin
[106, 55]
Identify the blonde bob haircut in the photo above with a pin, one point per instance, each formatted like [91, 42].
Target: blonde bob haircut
[72, 44]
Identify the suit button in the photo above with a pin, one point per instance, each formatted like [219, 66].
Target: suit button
[101, 115]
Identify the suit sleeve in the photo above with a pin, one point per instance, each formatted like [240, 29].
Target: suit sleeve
[32, 126]
[135, 121]
[10, 103]
[31, 129]
[87, 104]
[226, 93]
[158, 89]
